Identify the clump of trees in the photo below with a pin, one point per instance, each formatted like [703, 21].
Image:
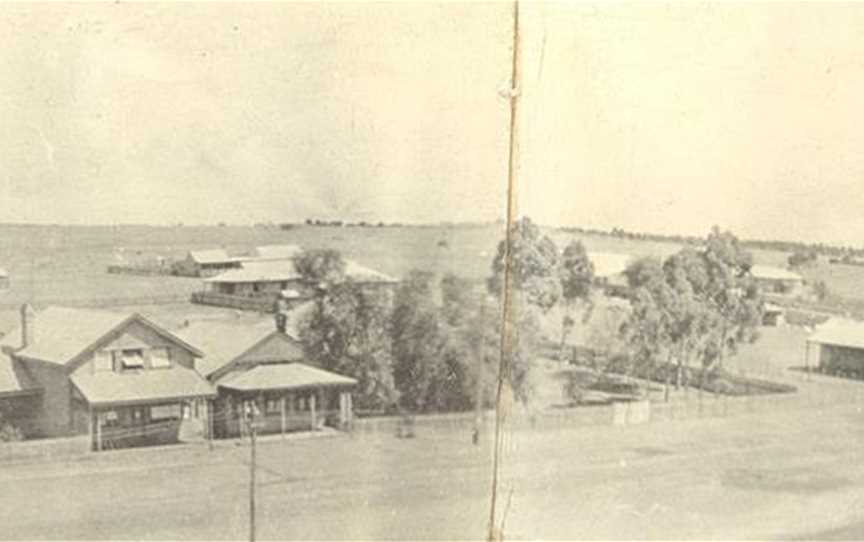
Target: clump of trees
[421, 349]
[529, 270]
[321, 268]
[444, 343]
[802, 258]
[696, 306]
[346, 331]
[439, 343]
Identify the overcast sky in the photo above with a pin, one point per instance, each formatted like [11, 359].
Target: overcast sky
[652, 117]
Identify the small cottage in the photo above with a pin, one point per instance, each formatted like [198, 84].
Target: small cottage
[262, 369]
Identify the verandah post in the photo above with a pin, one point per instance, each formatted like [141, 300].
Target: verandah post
[282, 410]
[312, 410]
[98, 432]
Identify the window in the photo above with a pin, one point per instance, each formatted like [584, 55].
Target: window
[165, 412]
[103, 361]
[160, 358]
[273, 406]
[110, 418]
[129, 359]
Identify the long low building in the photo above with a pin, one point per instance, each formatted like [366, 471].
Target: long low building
[257, 285]
[777, 280]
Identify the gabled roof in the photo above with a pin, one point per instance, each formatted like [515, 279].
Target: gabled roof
[840, 332]
[362, 274]
[129, 388]
[284, 376]
[61, 334]
[768, 272]
[607, 264]
[213, 255]
[259, 271]
[278, 252]
[285, 270]
[222, 342]
[14, 378]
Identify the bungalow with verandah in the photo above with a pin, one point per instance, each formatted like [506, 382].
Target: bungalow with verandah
[257, 285]
[121, 378]
[263, 368]
[776, 280]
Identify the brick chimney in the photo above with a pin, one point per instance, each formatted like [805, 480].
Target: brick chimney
[28, 325]
[281, 322]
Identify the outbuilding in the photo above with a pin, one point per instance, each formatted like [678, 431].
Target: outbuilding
[206, 263]
[837, 347]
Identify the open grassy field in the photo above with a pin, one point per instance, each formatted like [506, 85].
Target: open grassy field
[67, 264]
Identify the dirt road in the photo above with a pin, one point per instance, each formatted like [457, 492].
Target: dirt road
[776, 475]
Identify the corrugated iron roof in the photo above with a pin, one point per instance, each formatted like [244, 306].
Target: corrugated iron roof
[224, 342]
[769, 272]
[278, 252]
[60, 334]
[284, 376]
[840, 332]
[14, 378]
[362, 274]
[136, 387]
[259, 271]
[607, 264]
[285, 270]
[213, 255]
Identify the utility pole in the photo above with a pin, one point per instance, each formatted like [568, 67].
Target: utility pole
[251, 424]
[481, 360]
[506, 300]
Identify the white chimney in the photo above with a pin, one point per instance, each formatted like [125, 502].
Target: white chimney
[28, 325]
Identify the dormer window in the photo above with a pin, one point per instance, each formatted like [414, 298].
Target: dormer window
[131, 359]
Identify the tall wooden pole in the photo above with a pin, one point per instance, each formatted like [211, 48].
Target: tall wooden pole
[478, 390]
[251, 421]
[506, 287]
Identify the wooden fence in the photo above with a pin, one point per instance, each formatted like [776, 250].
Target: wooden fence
[167, 299]
[140, 270]
[233, 301]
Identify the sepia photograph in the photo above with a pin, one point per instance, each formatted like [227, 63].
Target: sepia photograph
[431, 270]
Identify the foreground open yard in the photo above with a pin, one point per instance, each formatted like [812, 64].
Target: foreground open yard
[766, 475]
